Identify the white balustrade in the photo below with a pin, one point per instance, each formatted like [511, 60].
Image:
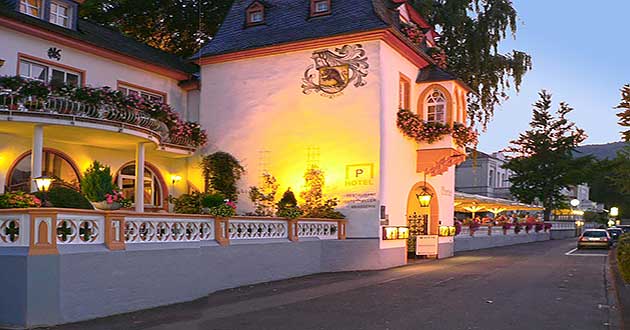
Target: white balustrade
[245, 229]
[319, 229]
[80, 229]
[168, 229]
[14, 229]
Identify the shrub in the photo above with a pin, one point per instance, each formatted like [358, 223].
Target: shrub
[291, 212]
[97, 182]
[263, 197]
[221, 172]
[224, 210]
[19, 200]
[63, 197]
[187, 203]
[314, 204]
[211, 200]
[326, 211]
[623, 256]
[287, 201]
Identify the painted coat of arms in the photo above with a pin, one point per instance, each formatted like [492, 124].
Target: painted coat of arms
[334, 70]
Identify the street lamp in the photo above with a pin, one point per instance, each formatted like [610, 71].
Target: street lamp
[43, 184]
[575, 202]
[614, 211]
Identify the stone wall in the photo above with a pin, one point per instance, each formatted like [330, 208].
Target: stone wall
[83, 283]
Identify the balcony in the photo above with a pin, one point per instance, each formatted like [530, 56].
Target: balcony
[157, 123]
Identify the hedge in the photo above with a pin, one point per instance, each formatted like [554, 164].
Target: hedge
[623, 256]
[66, 198]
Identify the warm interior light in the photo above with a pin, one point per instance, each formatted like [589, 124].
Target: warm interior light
[390, 233]
[43, 183]
[403, 232]
[444, 230]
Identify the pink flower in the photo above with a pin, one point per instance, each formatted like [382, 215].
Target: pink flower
[109, 199]
[231, 204]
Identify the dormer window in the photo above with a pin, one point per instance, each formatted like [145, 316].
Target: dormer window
[255, 14]
[60, 14]
[320, 7]
[31, 7]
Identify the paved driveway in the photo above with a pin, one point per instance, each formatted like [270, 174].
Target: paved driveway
[535, 286]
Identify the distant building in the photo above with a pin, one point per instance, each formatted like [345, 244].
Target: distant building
[484, 175]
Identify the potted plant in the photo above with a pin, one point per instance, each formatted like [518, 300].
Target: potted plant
[97, 185]
[9, 87]
[34, 93]
[225, 210]
[506, 226]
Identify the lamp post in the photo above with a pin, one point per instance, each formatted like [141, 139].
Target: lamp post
[43, 185]
[424, 197]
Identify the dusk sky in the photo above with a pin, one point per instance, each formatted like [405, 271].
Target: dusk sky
[581, 52]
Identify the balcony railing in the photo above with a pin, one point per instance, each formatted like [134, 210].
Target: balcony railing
[43, 229]
[62, 108]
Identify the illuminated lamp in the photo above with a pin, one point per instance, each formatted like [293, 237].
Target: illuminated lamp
[175, 178]
[452, 230]
[403, 232]
[575, 202]
[444, 230]
[424, 197]
[43, 184]
[614, 211]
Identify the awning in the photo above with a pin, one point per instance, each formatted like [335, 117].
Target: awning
[477, 203]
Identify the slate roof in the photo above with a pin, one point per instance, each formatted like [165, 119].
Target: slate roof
[105, 38]
[433, 73]
[288, 21]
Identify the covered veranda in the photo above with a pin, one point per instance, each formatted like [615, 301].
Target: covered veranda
[474, 204]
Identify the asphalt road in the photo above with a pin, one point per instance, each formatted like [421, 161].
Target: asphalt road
[533, 286]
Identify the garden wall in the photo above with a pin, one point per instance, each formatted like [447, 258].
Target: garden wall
[468, 243]
[85, 282]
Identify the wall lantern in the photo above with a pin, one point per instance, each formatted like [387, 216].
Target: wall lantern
[614, 211]
[394, 233]
[43, 183]
[1, 62]
[175, 178]
[575, 202]
[611, 223]
[424, 197]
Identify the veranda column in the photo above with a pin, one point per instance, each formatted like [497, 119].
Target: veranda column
[37, 151]
[139, 202]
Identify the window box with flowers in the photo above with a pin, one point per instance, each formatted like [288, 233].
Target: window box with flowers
[415, 128]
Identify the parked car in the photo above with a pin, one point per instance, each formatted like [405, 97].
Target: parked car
[597, 238]
[614, 233]
[625, 228]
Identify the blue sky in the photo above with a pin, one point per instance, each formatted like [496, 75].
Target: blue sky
[581, 54]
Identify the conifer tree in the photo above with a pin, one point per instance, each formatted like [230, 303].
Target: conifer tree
[542, 160]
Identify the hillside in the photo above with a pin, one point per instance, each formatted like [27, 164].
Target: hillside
[601, 151]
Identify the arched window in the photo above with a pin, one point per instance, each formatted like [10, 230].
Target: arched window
[436, 107]
[54, 164]
[153, 184]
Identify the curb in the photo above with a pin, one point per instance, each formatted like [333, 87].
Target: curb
[621, 290]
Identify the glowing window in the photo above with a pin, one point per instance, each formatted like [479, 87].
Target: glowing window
[54, 164]
[31, 7]
[126, 180]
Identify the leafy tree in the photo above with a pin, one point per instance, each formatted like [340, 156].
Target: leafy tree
[624, 115]
[221, 172]
[179, 27]
[542, 158]
[470, 33]
[602, 176]
[314, 204]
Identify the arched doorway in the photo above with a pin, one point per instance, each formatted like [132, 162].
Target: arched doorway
[421, 220]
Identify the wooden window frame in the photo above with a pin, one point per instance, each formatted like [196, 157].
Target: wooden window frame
[121, 83]
[255, 7]
[406, 82]
[29, 152]
[30, 58]
[314, 13]
[69, 16]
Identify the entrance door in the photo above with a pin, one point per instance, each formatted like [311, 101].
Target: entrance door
[418, 223]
